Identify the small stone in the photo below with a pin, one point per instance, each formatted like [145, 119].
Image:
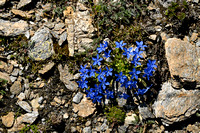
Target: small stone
[73, 129]
[57, 100]
[87, 130]
[85, 108]
[21, 13]
[193, 128]
[13, 79]
[8, 119]
[22, 3]
[158, 28]
[104, 127]
[194, 37]
[35, 103]
[16, 88]
[145, 112]
[25, 106]
[15, 72]
[21, 96]
[66, 116]
[63, 38]
[77, 98]
[153, 37]
[88, 123]
[130, 119]
[47, 67]
[30, 117]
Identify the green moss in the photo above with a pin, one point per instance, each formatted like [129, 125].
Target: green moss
[115, 115]
[30, 128]
[177, 10]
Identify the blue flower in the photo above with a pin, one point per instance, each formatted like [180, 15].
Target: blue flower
[134, 73]
[140, 45]
[97, 61]
[120, 77]
[92, 72]
[83, 83]
[110, 94]
[124, 95]
[120, 44]
[108, 71]
[128, 52]
[84, 72]
[142, 91]
[102, 47]
[101, 74]
[150, 68]
[132, 84]
[103, 83]
[107, 54]
[94, 95]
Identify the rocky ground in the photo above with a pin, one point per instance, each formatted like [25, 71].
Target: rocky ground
[43, 43]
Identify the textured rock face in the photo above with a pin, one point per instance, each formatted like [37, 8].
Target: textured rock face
[79, 28]
[41, 45]
[183, 60]
[8, 28]
[176, 105]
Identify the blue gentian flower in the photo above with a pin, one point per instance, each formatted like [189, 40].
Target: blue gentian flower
[140, 45]
[124, 95]
[108, 71]
[101, 74]
[128, 52]
[83, 83]
[103, 83]
[110, 94]
[132, 84]
[120, 44]
[102, 47]
[92, 72]
[134, 74]
[142, 91]
[120, 77]
[107, 54]
[97, 61]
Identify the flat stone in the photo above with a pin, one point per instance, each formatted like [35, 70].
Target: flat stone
[63, 38]
[46, 68]
[85, 108]
[16, 88]
[25, 106]
[66, 116]
[184, 62]
[15, 72]
[35, 103]
[67, 78]
[176, 105]
[77, 98]
[59, 26]
[21, 13]
[22, 3]
[8, 28]
[5, 76]
[41, 45]
[8, 119]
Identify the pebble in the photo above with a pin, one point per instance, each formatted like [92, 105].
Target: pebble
[77, 98]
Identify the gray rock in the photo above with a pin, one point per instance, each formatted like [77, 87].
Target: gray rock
[63, 38]
[77, 98]
[13, 78]
[87, 130]
[145, 112]
[41, 45]
[8, 28]
[2, 2]
[122, 129]
[104, 127]
[165, 3]
[15, 72]
[23, 3]
[25, 106]
[176, 105]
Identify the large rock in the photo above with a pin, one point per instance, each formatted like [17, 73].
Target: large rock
[41, 45]
[176, 105]
[79, 28]
[8, 28]
[183, 60]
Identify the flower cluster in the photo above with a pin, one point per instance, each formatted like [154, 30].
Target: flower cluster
[97, 78]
